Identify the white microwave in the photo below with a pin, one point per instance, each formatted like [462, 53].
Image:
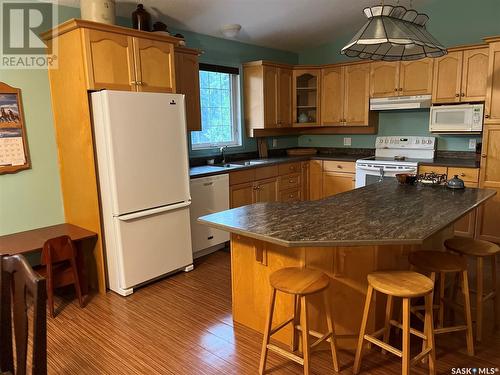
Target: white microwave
[460, 118]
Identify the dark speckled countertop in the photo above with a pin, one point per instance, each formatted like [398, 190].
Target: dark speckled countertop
[443, 158]
[382, 213]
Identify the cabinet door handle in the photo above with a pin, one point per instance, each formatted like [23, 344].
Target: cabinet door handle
[400, 89]
[339, 166]
[463, 94]
[140, 83]
[457, 95]
[290, 181]
[462, 174]
[483, 155]
[133, 82]
[396, 89]
[487, 116]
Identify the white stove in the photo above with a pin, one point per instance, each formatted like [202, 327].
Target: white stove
[393, 155]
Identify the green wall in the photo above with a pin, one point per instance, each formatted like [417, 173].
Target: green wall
[452, 22]
[32, 198]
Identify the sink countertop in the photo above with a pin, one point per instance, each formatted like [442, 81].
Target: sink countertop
[378, 214]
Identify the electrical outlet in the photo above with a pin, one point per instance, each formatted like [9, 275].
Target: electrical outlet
[275, 143]
[472, 144]
[347, 141]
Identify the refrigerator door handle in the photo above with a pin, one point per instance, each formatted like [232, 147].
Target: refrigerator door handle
[137, 215]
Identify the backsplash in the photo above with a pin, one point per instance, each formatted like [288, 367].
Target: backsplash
[401, 122]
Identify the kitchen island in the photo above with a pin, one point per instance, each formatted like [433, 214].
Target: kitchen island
[346, 236]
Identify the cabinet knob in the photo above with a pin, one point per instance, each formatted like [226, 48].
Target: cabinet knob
[339, 166]
[133, 82]
[462, 94]
[462, 174]
[290, 196]
[400, 89]
[290, 181]
[457, 95]
[140, 83]
[396, 89]
[483, 155]
[487, 116]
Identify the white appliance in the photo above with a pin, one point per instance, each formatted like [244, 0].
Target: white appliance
[209, 195]
[393, 155]
[460, 118]
[400, 102]
[141, 148]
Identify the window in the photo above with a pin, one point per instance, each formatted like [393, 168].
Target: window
[219, 96]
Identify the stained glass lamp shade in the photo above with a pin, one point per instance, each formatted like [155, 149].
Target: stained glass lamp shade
[393, 33]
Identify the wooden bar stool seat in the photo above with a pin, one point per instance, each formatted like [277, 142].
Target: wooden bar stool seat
[405, 285]
[301, 283]
[480, 250]
[442, 263]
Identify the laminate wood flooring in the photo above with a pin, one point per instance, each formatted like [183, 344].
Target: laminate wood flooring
[183, 325]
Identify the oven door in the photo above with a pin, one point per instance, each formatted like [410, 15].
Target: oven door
[367, 174]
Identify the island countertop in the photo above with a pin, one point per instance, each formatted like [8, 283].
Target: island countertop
[378, 214]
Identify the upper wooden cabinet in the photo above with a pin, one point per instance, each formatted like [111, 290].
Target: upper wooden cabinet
[187, 82]
[332, 98]
[109, 58]
[356, 95]
[267, 91]
[345, 95]
[492, 108]
[415, 77]
[460, 76]
[401, 78]
[123, 62]
[154, 65]
[306, 97]
[384, 79]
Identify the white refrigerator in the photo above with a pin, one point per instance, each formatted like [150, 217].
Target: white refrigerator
[142, 163]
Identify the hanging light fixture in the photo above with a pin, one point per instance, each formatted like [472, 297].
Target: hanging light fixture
[393, 33]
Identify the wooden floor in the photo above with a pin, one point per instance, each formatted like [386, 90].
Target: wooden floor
[183, 325]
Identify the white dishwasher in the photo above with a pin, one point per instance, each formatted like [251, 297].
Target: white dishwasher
[208, 195]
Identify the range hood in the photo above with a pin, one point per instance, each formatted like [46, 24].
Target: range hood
[400, 102]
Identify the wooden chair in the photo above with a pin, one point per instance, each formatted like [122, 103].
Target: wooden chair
[442, 263]
[405, 285]
[479, 250]
[19, 286]
[58, 265]
[301, 283]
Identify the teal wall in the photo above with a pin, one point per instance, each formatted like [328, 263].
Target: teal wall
[452, 22]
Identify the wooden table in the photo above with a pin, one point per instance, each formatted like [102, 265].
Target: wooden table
[32, 241]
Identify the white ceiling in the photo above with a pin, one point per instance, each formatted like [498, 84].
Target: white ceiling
[291, 25]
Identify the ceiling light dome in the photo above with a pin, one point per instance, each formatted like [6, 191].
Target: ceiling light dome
[231, 30]
[393, 33]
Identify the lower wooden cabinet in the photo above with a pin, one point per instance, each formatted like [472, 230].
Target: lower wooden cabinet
[242, 194]
[266, 190]
[335, 183]
[488, 219]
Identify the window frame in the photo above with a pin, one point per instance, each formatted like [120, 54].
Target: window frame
[235, 109]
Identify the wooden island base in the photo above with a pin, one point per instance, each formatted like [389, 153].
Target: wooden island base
[252, 261]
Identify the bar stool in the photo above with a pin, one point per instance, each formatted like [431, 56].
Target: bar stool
[479, 249]
[405, 285]
[301, 283]
[443, 263]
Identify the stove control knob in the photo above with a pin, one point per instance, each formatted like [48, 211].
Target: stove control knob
[417, 141]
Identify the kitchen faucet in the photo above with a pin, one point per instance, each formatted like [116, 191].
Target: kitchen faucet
[222, 151]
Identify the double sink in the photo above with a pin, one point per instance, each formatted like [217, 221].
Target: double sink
[239, 164]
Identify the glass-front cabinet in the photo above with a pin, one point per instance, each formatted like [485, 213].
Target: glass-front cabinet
[306, 98]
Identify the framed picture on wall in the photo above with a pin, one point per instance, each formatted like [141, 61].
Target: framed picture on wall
[14, 154]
